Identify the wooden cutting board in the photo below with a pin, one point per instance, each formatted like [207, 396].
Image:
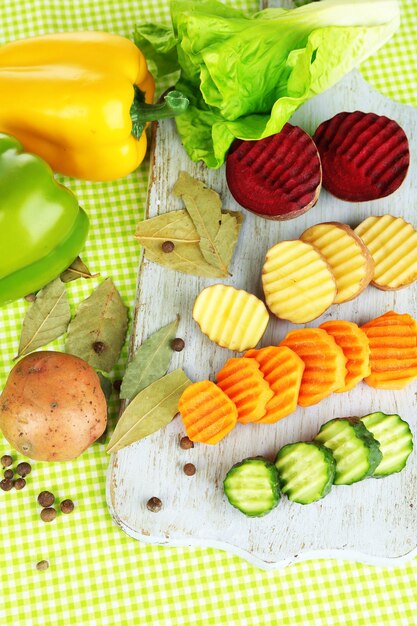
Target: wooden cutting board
[374, 521]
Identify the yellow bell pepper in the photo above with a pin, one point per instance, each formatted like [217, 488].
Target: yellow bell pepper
[78, 100]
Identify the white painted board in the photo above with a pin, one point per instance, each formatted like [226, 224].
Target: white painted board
[373, 521]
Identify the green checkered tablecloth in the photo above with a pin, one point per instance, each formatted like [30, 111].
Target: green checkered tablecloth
[98, 575]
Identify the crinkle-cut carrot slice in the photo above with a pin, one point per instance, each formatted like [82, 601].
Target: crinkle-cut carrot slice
[207, 412]
[355, 346]
[243, 382]
[393, 345]
[283, 370]
[325, 364]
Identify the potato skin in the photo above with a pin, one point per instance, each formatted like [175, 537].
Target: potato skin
[52, 407]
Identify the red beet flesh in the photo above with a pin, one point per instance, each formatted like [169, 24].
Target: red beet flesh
[364, 156]
[279, 177]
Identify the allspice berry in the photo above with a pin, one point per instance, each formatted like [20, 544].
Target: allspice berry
[6, 484]
[46, 498]
[42, 565]
[19, 483]
[189, 469]
[186, 443]
[23, 469]
[99, 347]
[178, 344]
[6, 460]
[154, 505]
[67, 506]
[8, 473]
[168, 246]
[48, 515]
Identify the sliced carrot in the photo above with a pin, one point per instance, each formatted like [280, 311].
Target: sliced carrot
[282, 370]
[355, 346]
[393, 344]
[325, 364]
[243, 382]
[207, 412]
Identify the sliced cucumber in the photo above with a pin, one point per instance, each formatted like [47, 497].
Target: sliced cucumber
[354, 448]
[395, 439]
[252, 486]
[306, 471]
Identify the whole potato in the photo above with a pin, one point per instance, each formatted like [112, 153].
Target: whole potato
[52, 407]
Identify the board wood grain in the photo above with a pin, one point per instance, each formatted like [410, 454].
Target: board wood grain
[373, 521]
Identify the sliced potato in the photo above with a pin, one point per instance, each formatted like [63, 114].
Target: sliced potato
[348, 257]
[298, 282]
[392, 243]
[232, 318]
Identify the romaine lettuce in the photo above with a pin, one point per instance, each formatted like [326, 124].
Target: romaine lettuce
[246, 75]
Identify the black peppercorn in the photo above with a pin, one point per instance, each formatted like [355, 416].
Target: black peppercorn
[168, 246]
[189, 469]
[8, 473]
[42, 565]
[6, 484]
[67, 506]
[99, 347]
[48, 515]
[178, 344]
[46, 498]
[6, 460]
[186, 443]
[19, 483]
[23, 469]
[154, 505]
[117, 385]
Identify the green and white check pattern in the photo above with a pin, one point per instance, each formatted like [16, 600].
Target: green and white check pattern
[98, 575]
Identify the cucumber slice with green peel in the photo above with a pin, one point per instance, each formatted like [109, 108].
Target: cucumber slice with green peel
[306, 471]
[252, 486]
[395, 439]
[355, 449]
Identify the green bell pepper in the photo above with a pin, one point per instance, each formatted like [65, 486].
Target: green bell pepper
[42, 227]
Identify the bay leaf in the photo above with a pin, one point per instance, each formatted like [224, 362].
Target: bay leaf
[218, 234]
[175, 226]
[76, 270]
[152, 409]
[98, 331]
[46, 319]
[150, 362]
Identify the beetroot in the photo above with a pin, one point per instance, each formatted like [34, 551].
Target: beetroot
[279, 177]
[364, 156]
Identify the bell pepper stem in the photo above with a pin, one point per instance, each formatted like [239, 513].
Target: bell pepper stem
[141, 112]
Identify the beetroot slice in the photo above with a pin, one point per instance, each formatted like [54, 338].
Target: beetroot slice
[364, 156]
[278, 177]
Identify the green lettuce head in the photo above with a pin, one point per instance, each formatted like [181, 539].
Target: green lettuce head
[246, 75]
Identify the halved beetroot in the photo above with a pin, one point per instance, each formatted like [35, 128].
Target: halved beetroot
[364, 156]
[279, 177]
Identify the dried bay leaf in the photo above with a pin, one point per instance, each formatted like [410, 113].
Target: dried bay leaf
[76, 270]
[217, 231]
[46, 319]
[150, 362]
[175, 226]
[152, 409]
[98, 331]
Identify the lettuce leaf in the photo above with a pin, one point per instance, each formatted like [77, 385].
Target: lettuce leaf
[246, 75]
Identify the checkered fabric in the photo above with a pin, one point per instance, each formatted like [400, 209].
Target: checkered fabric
[98, 575]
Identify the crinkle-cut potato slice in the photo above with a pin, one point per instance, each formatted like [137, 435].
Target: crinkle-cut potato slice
[297, 281]
[348, 257]
[232, 318]
[243, 382]
[325, 364]
[393, 244]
